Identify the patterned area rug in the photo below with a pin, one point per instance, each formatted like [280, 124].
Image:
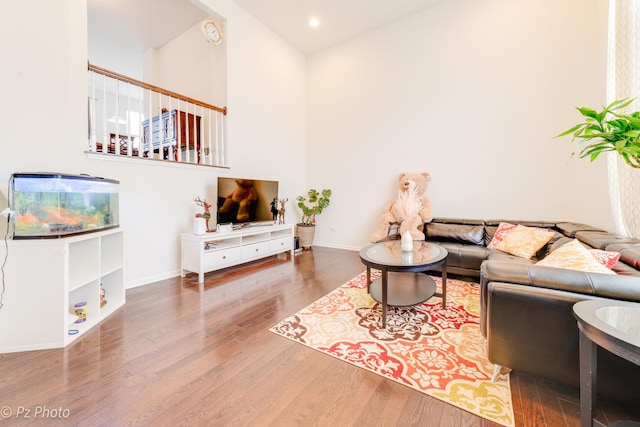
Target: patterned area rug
[435, 351]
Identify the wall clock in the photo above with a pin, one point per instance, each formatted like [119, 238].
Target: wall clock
[212, 31]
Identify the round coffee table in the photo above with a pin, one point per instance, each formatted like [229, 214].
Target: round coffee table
[405, 289]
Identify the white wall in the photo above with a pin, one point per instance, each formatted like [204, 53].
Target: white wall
[472, 92]
[44, 120]
[191, 66]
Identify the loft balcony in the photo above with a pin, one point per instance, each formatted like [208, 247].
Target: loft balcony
[131, 118]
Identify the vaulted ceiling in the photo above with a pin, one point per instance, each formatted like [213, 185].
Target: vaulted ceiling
[141, 24]
[339, 20]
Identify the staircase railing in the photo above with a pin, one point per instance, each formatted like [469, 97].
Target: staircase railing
[128, 117]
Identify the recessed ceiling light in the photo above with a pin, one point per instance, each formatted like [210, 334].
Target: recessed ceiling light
[314, 22]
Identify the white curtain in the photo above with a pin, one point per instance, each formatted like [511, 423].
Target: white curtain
[623, 81]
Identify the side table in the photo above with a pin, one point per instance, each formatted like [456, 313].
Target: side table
[613, 325]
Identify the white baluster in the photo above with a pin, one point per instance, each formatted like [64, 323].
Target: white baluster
[105, 136]
[223, 141]
[200, 135]
[150, 127]
[140, 117]
[209, 139]
[116, 145]
[92, 114]
[217, 136]
[128, 118]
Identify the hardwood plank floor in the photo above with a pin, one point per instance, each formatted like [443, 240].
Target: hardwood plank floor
[182, 354]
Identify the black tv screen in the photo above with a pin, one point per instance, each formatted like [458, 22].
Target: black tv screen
[243, 200]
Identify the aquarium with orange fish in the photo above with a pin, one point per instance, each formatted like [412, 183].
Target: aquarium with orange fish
[51, 205]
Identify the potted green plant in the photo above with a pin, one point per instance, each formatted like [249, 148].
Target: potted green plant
[609, 130]
[312, 205]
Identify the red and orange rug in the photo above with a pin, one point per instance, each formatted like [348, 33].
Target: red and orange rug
[438, 352]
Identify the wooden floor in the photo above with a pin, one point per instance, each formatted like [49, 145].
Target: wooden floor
[182, 354]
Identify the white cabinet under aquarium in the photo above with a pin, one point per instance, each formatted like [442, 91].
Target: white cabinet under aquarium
[46, 278]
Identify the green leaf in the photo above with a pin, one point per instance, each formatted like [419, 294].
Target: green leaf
[587, 112]
[570, 131]
[620, 103]
[618, 123]
[591, 149]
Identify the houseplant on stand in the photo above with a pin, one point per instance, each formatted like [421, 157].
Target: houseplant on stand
[312, 205]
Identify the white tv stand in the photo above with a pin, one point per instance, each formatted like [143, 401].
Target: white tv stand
[214, 251]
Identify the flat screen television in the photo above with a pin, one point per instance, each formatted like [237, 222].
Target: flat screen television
[243, 201]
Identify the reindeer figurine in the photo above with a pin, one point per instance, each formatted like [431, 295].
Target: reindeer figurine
[207, 212]
[274, 209]
[281, 202]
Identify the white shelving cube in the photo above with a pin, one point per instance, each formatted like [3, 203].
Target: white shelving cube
[45, 278]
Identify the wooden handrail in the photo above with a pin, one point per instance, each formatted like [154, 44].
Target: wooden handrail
[142, 84]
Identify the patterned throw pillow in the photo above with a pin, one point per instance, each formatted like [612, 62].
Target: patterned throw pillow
[574, 256]
[503, 229]
[606, 258]
[524, 241]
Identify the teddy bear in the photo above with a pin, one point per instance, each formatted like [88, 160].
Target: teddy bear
[411, 209]
[241, 198]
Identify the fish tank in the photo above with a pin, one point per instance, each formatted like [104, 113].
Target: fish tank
[51, 205]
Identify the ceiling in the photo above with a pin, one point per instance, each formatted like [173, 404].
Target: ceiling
[138, 25]
[340, 20]
[118, 23]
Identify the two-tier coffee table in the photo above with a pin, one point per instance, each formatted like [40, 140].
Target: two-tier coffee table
[402, 282]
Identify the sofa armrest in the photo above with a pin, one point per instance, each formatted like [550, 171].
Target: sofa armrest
[560, 279]
[527, 329]
[596, 284]
[532, 329]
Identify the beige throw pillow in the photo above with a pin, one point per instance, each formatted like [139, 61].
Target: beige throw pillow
[574, 256]
[524, 241]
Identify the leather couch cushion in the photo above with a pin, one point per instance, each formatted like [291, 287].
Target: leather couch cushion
[557, 242]
[629, 255]
[547, 249]
[622, 269]
[464, 256]
[503, 256]
[462, 221]
[602, 239]
[473, 234]
[570, 229]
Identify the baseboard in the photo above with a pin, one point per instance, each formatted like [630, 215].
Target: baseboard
[327, 245]
[151, 279]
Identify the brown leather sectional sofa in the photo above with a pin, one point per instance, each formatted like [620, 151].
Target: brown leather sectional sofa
[526, 309]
